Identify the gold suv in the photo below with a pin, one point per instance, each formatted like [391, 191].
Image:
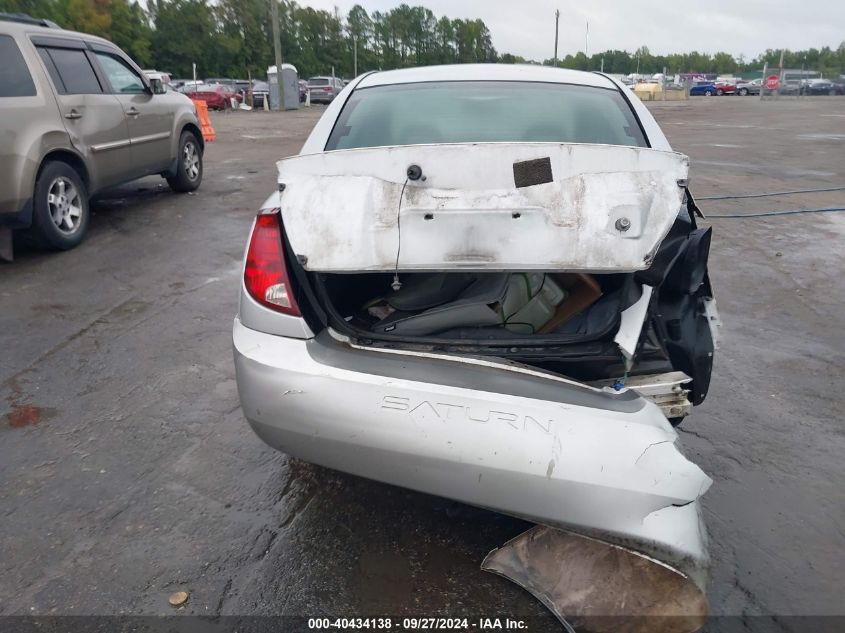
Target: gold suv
[77, 115]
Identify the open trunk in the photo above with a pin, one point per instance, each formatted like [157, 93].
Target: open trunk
[584, 260]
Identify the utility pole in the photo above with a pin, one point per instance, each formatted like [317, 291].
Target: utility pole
[354, 55]
[557, 19]
[277, 46]
[586, 45]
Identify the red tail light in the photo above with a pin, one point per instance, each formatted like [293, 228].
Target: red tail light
[265, 275]
[329, 89]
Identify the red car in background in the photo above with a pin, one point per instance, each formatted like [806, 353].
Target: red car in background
[217, 96]
[725, 88]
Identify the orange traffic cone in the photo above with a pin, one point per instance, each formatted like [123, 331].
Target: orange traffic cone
[208, 133]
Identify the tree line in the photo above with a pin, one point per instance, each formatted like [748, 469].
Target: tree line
[829, 61]
[233, 38]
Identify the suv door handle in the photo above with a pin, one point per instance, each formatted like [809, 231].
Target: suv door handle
[73, 114]
[132, 111]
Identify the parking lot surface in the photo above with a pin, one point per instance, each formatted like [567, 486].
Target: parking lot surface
[129, 473]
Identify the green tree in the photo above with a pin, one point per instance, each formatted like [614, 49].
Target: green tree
[185, 32]
[234, 38]
[131, 31]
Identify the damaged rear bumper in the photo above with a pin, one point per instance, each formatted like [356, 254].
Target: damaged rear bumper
[510, 439]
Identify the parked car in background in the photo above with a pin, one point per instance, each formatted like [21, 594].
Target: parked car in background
[526, 342]
[259, 93]
[232, 93]
[77, 115]
[187, 85]
[838, 85]
[236, 85]
[242, 87]
[160, 82]
[702, 88]
[216, 96]
[324, 89]
[725, 88]
[818, 86]
[163, 76]
[752, 87]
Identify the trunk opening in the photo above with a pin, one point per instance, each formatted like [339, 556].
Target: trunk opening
[559, 322]
[655, 323]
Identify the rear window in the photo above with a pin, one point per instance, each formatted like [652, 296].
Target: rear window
[70, 71]
[484, 111]
[318, 82]
[15, 80]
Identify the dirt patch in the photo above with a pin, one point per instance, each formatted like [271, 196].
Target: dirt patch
[23, 415]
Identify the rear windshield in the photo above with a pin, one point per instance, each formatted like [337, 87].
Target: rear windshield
[484, 111]
[15, 80]
[318, 82]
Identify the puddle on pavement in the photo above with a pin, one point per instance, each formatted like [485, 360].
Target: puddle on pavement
[129, 308]
[822, 137]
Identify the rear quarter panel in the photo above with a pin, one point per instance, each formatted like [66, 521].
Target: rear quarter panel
[30, 128]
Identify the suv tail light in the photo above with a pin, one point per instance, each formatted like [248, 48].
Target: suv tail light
[265, 274]
[329, 89]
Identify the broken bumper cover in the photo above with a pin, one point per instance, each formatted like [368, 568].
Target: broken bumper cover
[489, 434]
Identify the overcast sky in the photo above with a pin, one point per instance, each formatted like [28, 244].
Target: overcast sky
[740, 27]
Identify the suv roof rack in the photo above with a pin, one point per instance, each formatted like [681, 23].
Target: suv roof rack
[23, 18]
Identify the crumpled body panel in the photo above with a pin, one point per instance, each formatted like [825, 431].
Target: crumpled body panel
[594, 586]
[598, 208]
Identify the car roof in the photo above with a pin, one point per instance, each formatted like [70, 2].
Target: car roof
[486, 72]
[21, 28]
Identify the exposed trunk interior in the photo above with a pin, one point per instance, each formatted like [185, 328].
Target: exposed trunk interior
[564, 322]
[481, 308]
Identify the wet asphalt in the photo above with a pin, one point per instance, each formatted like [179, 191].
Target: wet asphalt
[128, 472]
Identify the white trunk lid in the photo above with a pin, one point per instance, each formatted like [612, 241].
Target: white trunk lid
[341, 209]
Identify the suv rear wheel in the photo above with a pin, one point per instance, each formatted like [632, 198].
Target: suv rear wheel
[189, 165]
[60, 206]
